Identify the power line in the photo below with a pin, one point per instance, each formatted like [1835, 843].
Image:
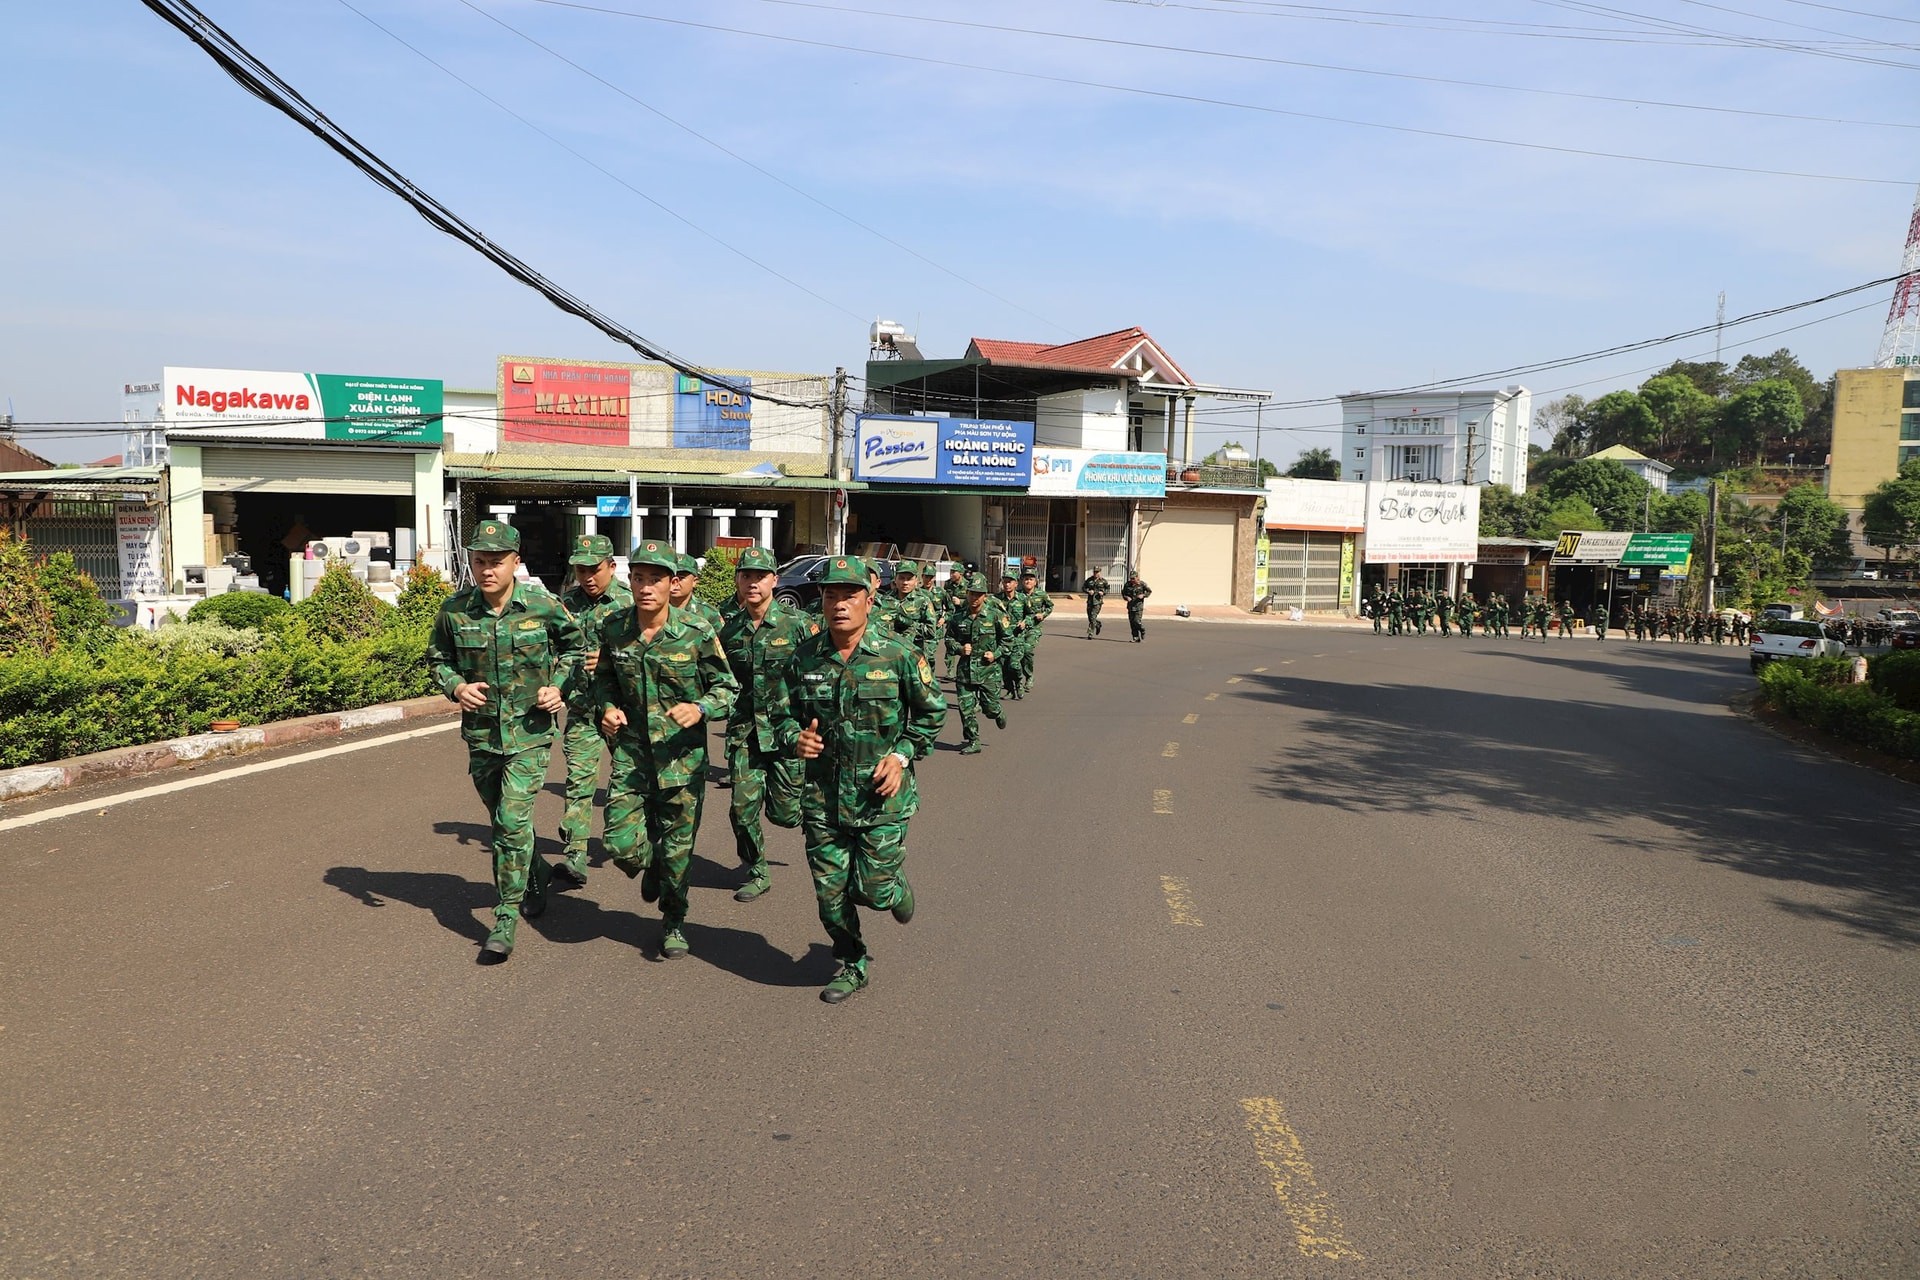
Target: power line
[1267, 60]
[260, 80]
[1202, 100]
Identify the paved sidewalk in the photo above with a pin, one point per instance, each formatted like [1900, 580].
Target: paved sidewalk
[133, 762]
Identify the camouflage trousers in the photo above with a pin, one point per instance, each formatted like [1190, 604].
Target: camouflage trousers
[762, 781]
[1027, 652]
[974, 698]
[507, 785]
[1137, 621]
[649, 825]
[854, 867]
[583, 746]
[1010, 667]
[1093, 618]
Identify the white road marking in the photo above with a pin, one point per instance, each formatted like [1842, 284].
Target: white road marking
[208, 779]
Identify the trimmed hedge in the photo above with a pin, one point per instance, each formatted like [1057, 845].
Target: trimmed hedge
[1856, 712]
[238, 609]
[1896, 677]
[71, 702]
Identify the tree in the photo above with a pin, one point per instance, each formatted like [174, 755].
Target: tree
[1559, 421]
[1553, 517]
[1891, 517]
[81, 619]
[1680, 407]
[1749, 417]
[1679, 513]
[1315, 464]
[1710, 376]
[1234, 454]
[1503, 513]
[1781, 366]
[1606, 487]
[1808, 522]
[26, 619]
[1619, 417]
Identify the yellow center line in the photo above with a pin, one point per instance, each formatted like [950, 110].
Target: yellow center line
[1258, 670]
[1316, 1229]
[1319, 655]
[1180, 901]
[1212, 696]
[1233, 679]
[1192, 717]
[1171, 750]
[1163, 802]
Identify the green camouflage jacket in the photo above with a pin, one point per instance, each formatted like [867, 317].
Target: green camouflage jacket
[1096, 587]
[882, 698]
[758, 656]
[645, 678]
[706, 613]
[1039, 606]
[531, 643]
[591, 614]
[1019, 622]
[1135, 593]
[916, 618]
[986, 631]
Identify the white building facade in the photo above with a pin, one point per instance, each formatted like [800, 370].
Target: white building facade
[1452, 437]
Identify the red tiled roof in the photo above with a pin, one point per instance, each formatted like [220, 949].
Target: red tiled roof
[1099, 354]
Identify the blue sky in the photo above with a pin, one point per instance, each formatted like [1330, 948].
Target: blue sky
[159, 215]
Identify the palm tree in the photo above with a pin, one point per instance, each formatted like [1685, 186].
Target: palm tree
[1315, 464]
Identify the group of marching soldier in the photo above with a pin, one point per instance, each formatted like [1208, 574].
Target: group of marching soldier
[827, 711]
[1414, 612]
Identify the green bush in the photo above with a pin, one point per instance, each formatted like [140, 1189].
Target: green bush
[1855, 712]
[238, 609]
[341, 607]
[1896, 677]
[26, 619]
[68, 702]
[1835, 669]
[421, 596]
[207, 636]
[81, 619]
[716, 576]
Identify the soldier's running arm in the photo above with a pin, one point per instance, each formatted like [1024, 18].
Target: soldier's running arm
[718, 685]
[926, 707]
[440, 656]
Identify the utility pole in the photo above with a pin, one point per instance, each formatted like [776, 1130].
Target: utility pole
[1466, 469]
[1713, 540]
[837, 496]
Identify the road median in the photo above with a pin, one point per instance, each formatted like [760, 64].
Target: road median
[154, 757]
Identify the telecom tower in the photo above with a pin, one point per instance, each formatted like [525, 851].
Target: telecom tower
[1900, 344]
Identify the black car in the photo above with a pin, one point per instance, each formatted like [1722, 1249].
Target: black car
[1906, 636]
[799, 581]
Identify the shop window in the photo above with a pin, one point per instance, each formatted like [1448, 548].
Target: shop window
[1910, 394]
[1910, 422]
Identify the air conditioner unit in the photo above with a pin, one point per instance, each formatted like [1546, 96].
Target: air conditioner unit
[338, 549]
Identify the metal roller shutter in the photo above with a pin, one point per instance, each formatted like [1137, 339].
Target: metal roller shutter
[1107, 539]
[1187, 556]
[1303, 568]
[378, 473]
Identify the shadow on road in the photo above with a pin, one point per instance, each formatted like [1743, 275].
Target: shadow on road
[1676, 673]
[1726, 792]
[452, 899]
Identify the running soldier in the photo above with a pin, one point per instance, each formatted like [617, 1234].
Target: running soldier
[595, 594]
[1039, 607]
[976, 633]
[1095, 588]
[1135, 593]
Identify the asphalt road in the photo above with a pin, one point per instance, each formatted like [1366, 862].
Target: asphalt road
[1249, 951]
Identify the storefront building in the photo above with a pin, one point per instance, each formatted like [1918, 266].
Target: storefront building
[263, 464]
[1420, 536]
[1313, 527]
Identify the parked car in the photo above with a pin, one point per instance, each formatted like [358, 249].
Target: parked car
[799, 581]
[1897, 617]
[1864, 575]
[1788, 612]
[1791, 638]
[1906, 636]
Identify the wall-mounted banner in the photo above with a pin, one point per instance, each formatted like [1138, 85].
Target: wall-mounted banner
[257, 404]
[1324, 506]
[139, 533]
[1668, 550]
[1586, 546]
[890, 449]
[1095, 473]
[1410, 523]
[566, 403]
[612, 508]
[706, 416]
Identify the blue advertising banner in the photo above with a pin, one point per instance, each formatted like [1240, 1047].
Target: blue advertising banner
[957, 451]
[612, 507]
[710, 417]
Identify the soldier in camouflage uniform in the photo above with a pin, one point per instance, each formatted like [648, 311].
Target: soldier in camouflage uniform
[883, 602]
[505, 652]
[662, 676]
[1135, 593]
[1095, 588]
[594, 594]
[976, 634]
[859, 708]
[685, 593]
[956, 603]
[1039, 608]
[915, 616]
[760, 638]
[1015, 606]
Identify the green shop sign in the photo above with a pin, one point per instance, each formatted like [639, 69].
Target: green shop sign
[385, 410]
[1667, 550]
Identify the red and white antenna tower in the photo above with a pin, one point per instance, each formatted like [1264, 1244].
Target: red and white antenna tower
[1900, 343]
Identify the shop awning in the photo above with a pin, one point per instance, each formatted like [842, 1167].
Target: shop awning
[82, 484]
[654, 479]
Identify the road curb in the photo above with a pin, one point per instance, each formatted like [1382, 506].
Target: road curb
[153, 757]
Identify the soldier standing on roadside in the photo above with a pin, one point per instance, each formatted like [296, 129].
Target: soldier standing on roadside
[759, 639]
[1135, 593]
[976, 633]
[858, 707]
[662, 675]
[1095, 588]
[594, 595]
[505, 652]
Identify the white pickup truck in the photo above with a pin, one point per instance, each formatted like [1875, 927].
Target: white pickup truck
[1791, 638]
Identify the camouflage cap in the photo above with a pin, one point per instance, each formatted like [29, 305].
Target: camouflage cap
[906, 567]
[1029, 572]
[684, 563]
[977, 583]
[848, 571]
[493, 535]
[591, 548]
[758, 560]
[658, 555]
